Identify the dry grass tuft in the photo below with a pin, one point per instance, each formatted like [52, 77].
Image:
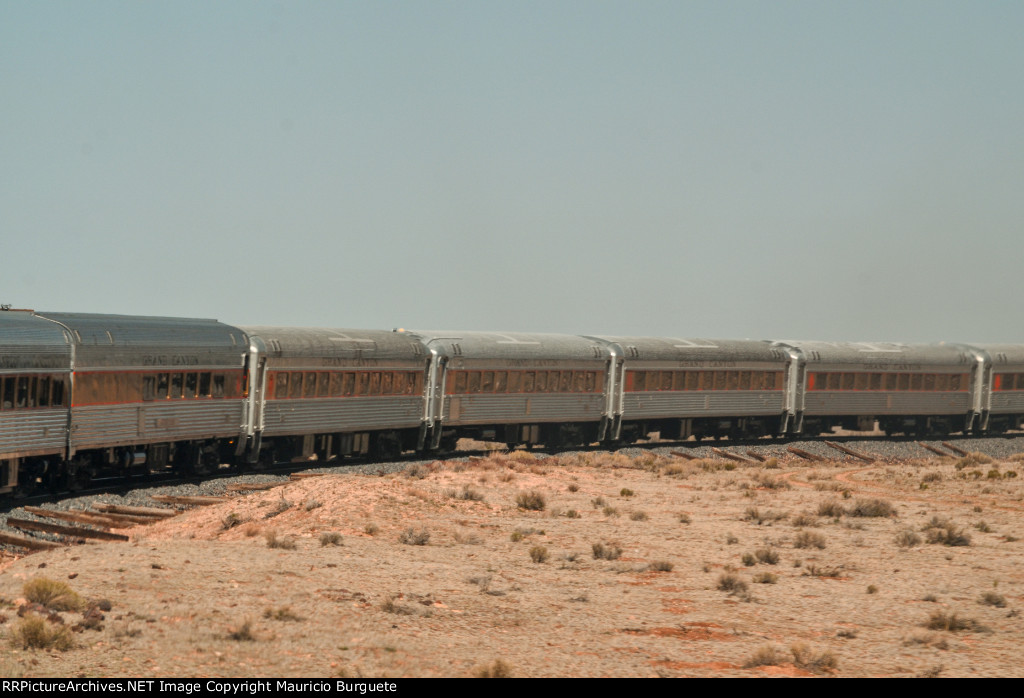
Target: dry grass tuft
[411, 536]
[951, 622]
[606, 552]
[816, 662]
[766, 656]
[330, 538]
[243, 633]
[907, 539]
[35, 632]
[274, 541]
[945, 532]
[496, 670]
[54, 595]
[991, 598]
[660, 566]
[809, 539]
[872, 507]
[539, 554]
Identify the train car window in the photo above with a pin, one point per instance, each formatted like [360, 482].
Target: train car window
[515, 380]
[348, 383]
[362, 383]
[598, 381]
[323, 384]
[205, 378]
[666, 380]
[679, 380]
[889, 381]
[928, 382]
[692, 378]
[719, 380]
[58, 392]
[294, 384]
[579, 381]
[997, 381]
[487, 382]
[162, 381]
[472, 381]
[875, 381]
[903, 381]
[501, 381]
[176, 385]
[636, 379]
[732, 380]
[191, 384]
[309, 384]
[374, 388]
[564, 381]
[846, 381]
[43, 391]
[942, 382]
[589, 381]
[218, 385]
[954, 382]
[778, 379]
[22, 399]
[461, 381]
[281, 392]
[833, 381]
[335, 384]
[8, 393]
[540, 384]
[744, 381]
[529, 381]
[860, 381]
[915, 381]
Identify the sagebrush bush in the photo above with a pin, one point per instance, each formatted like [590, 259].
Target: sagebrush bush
[809, 539]
[330, 538]
[411, 536]
[907, 539]
[274, 541]
[531, 501]
[808, 660]
[496, 670]
[606, 552]
[539, 553]
[872, 507]
[660, 566]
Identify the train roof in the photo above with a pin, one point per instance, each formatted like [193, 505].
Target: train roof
[131, 330]
[328, 342]
[680, 349]
[1003, 354]
[28, 341]
[880, 354]
[513, 345]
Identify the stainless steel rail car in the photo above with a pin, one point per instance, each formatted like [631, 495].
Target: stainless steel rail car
[1001, 404]
[335, 392]
[153, 392]
[910, 389]
[517, 388]
[35, 374]
[700, 388]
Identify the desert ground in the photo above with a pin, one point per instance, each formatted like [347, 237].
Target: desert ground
[628, 564]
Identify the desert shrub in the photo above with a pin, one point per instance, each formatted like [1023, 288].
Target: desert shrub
[230, 521]
[766, 656]
[748, 559]
[971, 459]
[638, 516]
[907, 539]
[573, 487]
[35, 632]
[769, 482]
[983, 527]
[945, 532]
[610, 511]
[990, 598]
[284, 613]
[759, 517]
[731, 583]
[731, 539]
[951, 622]
[313, 504]
[275, 541]
[872, 589]
[496, 670]
[805, 519]
[872, 507]
[767, 556]
[417, 472]
[572, 514]
[391, 605]
[809, 539]
[808, 660]
[242, 633]
[625, 492]
[330, 538]
[831, 508]
[531, 501]
[371, 529]
[468, 494]
[684, 518]
[660, 566]
[280, 507]
[932, 477]
[411, 536]
[597, 502]
[765, 578]
[815, 571]
[54, 595]
[539, 553]
[602, 551]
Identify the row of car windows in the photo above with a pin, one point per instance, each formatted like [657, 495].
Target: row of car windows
[938, 382]
[20, 392]
[111, 388]
[473, 382]
[648, 381]
[305, 384]
[1008, 381]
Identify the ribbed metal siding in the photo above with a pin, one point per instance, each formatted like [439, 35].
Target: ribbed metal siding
[523, 409]
[661, 405]
[1007, 402]
[823, 402]
[98, 426]
[326, 416]
[32, 432]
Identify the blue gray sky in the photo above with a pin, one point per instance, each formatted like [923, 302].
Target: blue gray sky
[820, 170]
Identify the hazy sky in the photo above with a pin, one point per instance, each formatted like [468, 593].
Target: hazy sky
[732, 169]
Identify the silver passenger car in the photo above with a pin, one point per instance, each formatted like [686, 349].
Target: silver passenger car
[35, 368]
[1001, 404]
[699, 387]
[153, 391]
[906, 388]
[517, 388]
[334, 392]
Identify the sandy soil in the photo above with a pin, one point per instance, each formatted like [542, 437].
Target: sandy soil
[501, 589]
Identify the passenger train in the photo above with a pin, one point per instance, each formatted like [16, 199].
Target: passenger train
[84, 394]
